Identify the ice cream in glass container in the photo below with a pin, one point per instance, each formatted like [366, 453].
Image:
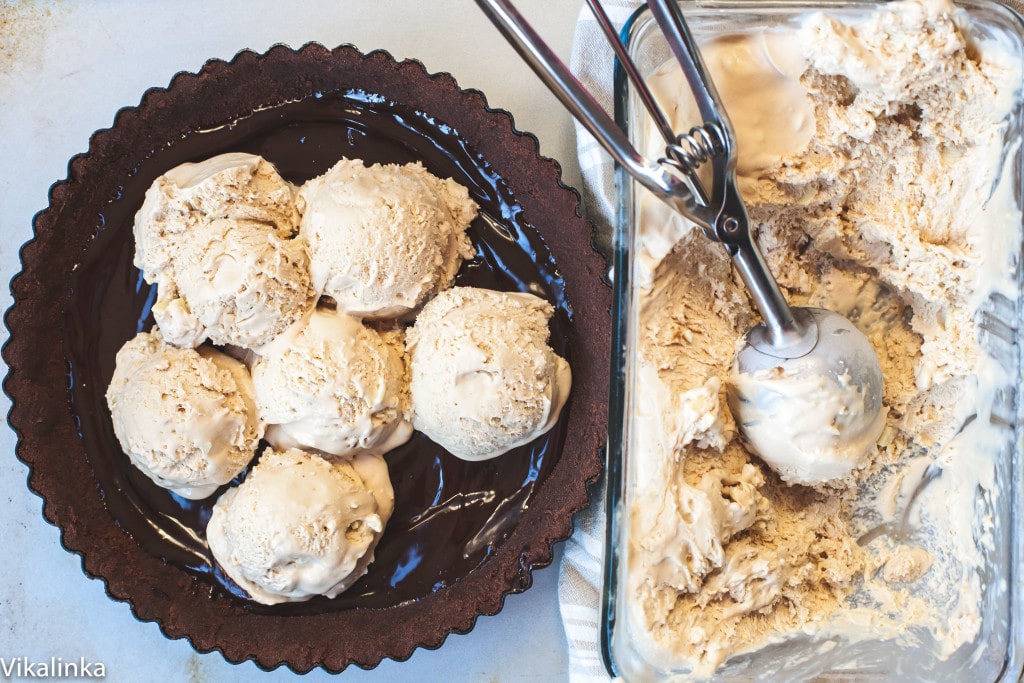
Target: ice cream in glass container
[879, 161]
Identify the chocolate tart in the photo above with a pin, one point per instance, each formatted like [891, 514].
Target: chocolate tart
[463, 535]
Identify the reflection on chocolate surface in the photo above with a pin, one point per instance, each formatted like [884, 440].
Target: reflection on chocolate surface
[449, 513]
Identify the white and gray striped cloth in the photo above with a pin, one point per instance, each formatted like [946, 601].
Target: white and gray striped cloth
[579, 584]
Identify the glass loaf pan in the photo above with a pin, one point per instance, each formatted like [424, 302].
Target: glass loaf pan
[996, 653]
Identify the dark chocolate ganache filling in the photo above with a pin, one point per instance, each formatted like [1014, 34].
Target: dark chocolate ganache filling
[449, 515]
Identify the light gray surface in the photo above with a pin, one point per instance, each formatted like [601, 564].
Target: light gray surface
[65, 70]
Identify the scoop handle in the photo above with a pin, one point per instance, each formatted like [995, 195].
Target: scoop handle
[669, 16]
[580, 103]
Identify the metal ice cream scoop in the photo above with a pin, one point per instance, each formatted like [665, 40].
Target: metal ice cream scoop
[789, 340]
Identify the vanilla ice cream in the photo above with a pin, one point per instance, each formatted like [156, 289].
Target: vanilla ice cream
[879, 185]
[483, 378]
[301, 526]
[219, 239]
[185, 417]
[333, 384]
[384, 238]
